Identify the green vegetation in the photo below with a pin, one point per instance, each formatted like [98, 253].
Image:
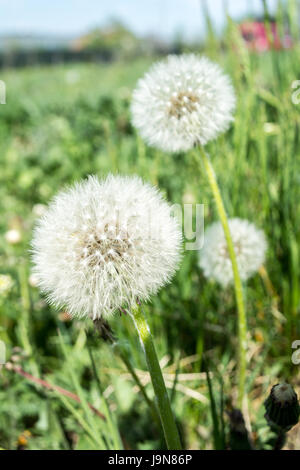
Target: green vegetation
[61, 124]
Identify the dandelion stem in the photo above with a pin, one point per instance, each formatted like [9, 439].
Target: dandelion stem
[242, 320]
[163, 402]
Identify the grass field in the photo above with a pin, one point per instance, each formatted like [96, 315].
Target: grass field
[63, 123]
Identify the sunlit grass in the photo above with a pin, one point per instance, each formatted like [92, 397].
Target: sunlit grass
[65, 122]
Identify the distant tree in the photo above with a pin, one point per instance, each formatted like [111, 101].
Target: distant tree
[113, 39]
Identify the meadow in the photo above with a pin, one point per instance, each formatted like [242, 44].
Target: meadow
[62, 123]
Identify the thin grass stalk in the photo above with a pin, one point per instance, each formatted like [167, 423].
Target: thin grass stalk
[135, 377]
[117, 441]
[24, 322]
[214, 415]
[90, 418]
[123, 356]
[49, 386]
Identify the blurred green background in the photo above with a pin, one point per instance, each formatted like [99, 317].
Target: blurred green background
[63, 121]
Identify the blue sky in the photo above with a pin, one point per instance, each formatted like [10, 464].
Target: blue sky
[159, 17]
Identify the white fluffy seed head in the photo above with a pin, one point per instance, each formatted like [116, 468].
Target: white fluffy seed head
[103, 244]
[250, 248]
[182, 101]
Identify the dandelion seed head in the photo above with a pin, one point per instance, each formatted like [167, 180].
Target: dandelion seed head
[104, 243]
[182, 101]
[13, 236]
[6, 283]
[250, 248]
[283, 393]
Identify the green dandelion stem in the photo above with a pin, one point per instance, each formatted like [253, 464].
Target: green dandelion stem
[242, 320]
[163, 402]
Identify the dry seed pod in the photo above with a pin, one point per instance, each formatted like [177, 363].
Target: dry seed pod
[282, 407]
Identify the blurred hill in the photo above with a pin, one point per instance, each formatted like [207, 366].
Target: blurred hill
[111, 42]
[13, 42]
[115, 39]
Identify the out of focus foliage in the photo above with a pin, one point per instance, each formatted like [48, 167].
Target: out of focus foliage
[62, 123]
